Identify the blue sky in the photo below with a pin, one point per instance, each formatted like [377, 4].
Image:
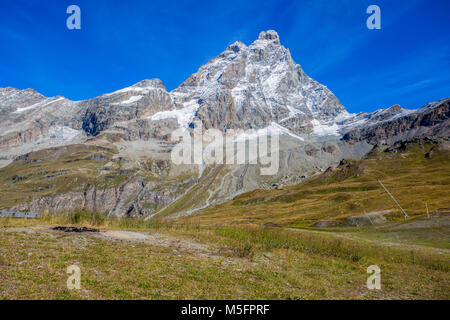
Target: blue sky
[122, 42]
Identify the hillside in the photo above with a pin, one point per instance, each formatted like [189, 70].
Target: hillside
[131, 259]
[112, 153]
[416, 172]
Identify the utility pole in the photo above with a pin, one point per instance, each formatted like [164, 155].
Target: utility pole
[426, 205]
[404, 213]
[365, 213]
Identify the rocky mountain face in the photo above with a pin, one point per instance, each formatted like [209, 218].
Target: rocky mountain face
[112, 153]
[142, 99]
[31, 122]
[252, 87]
[397, 124]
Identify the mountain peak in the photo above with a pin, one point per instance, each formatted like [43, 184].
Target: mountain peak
[269, 35]
[395, 108]
[149, 83]
[236, 46]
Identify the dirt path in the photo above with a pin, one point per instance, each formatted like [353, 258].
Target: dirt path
[178, 245]
[158, 239]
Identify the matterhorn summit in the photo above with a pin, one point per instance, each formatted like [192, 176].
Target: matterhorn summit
[251, 87]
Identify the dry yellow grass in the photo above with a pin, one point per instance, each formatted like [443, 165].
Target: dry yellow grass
[352, 189]
[242, 263]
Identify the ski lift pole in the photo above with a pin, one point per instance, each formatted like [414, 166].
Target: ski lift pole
[404, 213]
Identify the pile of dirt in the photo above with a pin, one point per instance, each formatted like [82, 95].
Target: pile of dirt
[75, 229]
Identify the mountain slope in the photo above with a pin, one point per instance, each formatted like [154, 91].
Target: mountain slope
[31, 121]
[397, 124]
[59, 145]
[416, 172]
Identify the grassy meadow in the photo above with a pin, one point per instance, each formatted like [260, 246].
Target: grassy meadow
[417, 174]
[259, 245]
[235, 262]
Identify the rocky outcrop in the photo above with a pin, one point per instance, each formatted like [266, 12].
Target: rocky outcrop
[140, 100]
[432, 120]
[132, 198]
[31, 122]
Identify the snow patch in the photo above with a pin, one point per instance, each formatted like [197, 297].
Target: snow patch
[37, 105]
[184, 115]
[129, 100]
[324, 129]
[274, 129]
[239, 95]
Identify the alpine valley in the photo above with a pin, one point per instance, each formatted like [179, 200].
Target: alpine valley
[111, 154]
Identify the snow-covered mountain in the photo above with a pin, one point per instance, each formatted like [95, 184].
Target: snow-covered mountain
[30, 121]
[388, 126]
[245, 87]
[252, 87]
